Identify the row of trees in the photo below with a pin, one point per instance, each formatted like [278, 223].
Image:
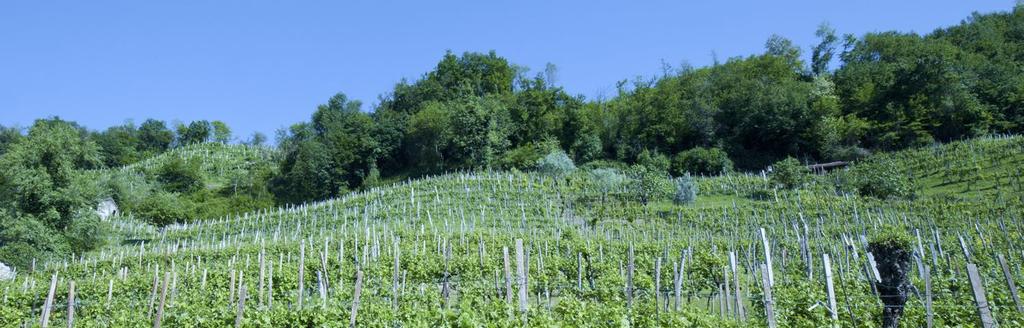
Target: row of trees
[889, 90]
[128, 143]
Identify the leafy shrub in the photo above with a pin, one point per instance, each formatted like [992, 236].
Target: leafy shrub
[686, 190]
[606, 180]
[789, 173]
[521, 158]
[163, 208]
[654, 161]
[556, 164]
[890, 238]
[704, 161]
[23, 238]
[880, 179]
[705, 272]
[86, 231]
[605, 164]
[587, 148]
[647, 184]
[177, 175]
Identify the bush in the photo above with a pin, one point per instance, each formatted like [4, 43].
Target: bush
[179, 176]
[556, 164]
[789, 173]
[705, 272]
[703, 161]
[23, 238]
[521, 158]
[587, 148]
[654, 161]
[605, 164]
[686, 190]
[86, 231]
[647, 184]
[606, 180]
[880, 179]
[163, 208]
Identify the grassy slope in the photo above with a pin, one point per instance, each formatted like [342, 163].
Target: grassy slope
[982, 168]
[490, 210]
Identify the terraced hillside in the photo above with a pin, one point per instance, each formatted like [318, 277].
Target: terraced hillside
[511, 249]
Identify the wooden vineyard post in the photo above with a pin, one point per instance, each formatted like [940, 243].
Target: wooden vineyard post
[153, 294]
[48, 305]
[241, 307]
[629, 278]
[445, 283]
[302, 267]
[768, 303]
[929, 314]
[355, 299]
[231, 288]
[163, 300]
[830, 287]
[71, 304]
[521, 275]
[984, 312]
[1010, 283]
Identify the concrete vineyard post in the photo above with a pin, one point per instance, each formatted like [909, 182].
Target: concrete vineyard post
[163, 300]
[508, 277]
[521, 275]
[768, 302]
[767, 257]
[740, 313]
[929, 314]
[355, 298]
[71, 304]
[830, 287]
[978, 288]
[1009, 282]
[241, 307]
[302, 267]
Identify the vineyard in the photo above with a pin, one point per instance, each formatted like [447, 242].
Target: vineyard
[512, 249]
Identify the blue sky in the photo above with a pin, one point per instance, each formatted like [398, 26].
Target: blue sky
[262, 65]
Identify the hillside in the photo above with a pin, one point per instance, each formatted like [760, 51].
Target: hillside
[208, 180]
[444, 251]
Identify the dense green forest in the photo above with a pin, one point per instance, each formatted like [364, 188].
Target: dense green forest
[476, 111]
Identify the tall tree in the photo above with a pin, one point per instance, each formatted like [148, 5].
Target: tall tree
[822, 53]
[221, 132]
[195, 132]
[119, 144]
[332, 154]
[154, 136]
[8, 137]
